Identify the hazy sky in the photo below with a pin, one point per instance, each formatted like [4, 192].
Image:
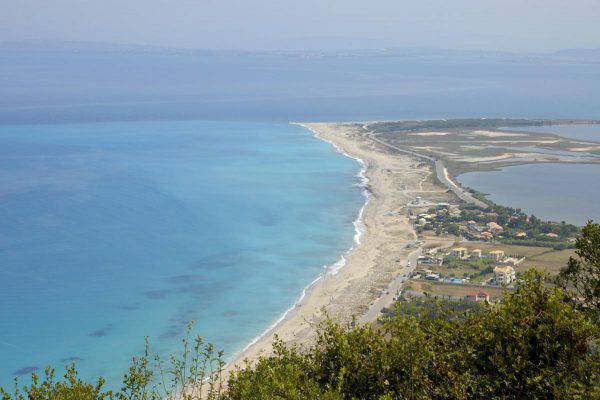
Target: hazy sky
[519, 25]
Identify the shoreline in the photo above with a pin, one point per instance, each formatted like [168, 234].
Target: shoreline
[380, 252]
[364, 183]
[331, 269]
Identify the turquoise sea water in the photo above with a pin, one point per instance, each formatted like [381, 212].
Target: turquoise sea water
[115, 231]
[558, 192]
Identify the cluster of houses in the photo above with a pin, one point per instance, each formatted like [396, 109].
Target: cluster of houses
[471, 229]
[463, 254]
[485, 231]
[448, 218]
[504, 273]
[440, 209]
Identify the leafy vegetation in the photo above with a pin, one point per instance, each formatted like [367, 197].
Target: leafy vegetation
[540, 343]
[539, 233]
[535, 345]
[582, 274]
[514, 220]
[195, 373]
[428, 307]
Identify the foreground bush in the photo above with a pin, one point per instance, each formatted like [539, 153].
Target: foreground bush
[193, 374]
[535, 345]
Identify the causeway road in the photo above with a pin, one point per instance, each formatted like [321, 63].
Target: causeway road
[441, 172]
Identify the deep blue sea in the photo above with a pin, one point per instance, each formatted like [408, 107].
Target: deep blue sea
[115, 231]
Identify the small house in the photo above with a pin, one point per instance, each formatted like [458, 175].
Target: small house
[480, 296]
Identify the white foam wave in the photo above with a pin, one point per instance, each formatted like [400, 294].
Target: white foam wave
[358, 222]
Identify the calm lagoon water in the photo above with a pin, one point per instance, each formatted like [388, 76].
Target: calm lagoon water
[114, 231]
[587, 132]
[558, 192]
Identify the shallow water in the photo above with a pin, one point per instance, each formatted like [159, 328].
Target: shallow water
[115, 231]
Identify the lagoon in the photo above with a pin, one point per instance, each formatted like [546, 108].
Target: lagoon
[557, 192]
[586, 132]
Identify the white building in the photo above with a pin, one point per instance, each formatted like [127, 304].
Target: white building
[504, 275]
[496, 255]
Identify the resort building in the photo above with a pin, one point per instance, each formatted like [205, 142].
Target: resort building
[459, 252]
[487, 236]
[494, 227]
[504, 275]
[496, 255]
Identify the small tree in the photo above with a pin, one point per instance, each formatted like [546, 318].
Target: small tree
[582, 275]
[71, 387]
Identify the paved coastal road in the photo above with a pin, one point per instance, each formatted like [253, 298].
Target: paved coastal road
[441, 172]
[442, 175]
[395, 286]
[387, 298]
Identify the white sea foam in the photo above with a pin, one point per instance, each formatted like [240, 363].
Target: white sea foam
[358, 222]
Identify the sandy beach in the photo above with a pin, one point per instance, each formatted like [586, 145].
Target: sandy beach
[373, 267]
